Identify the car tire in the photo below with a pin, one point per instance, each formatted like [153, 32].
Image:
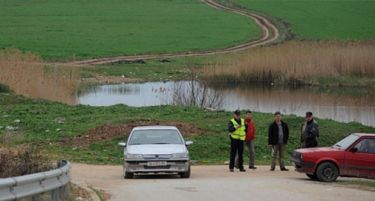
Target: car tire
[312, 176]
[327, 172]
[186, 174]
[128, 175]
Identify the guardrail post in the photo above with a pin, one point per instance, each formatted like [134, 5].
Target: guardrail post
[63, 191]
[35, 198]
[54, 195]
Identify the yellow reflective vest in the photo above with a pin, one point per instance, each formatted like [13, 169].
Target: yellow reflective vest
[239, 133]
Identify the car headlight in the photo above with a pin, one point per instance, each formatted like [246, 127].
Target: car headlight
[180, 155]
[133, 156]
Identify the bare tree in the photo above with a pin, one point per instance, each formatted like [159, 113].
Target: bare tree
[196, 93]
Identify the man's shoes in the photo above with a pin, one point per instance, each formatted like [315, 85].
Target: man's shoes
[231, 170]
[242, 170]
[284, 169]
[272, 169]
[252, 167]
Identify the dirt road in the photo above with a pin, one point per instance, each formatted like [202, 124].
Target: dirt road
[269, 34]
[215, 183]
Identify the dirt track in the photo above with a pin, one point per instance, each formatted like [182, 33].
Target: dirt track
[215, 183]
[269, 34]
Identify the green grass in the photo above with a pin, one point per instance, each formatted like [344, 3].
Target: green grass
[321, 19]
[65, 29]
[345, 80]
[151, 70]
[212, 147]
[365, 184]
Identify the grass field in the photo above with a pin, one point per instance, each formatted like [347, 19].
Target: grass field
[321, 19]
[49, 124]
[64, 29]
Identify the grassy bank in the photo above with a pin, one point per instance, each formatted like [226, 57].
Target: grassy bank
[325, 63]
[320, 19]
[150, 70]
[63, 29]
[90, 134]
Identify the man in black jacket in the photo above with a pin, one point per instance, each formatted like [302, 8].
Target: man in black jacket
[278, 134]
[309, 132]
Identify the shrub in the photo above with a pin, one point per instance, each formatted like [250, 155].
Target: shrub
[22, 160]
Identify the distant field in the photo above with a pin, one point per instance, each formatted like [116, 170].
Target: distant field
[65, 29]
[321, 19]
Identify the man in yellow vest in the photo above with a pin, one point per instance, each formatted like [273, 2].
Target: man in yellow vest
[237, 134]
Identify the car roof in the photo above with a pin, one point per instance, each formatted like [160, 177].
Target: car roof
[365, 134]
[155, 128]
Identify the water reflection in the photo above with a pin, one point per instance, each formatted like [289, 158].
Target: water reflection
[135, 94]
[343, 105]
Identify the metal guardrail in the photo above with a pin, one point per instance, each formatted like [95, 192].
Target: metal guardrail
[15, 188]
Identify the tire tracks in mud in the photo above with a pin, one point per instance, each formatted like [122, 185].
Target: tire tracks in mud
[270, 34]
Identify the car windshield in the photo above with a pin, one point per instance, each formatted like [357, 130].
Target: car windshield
[156, 136]
[346, 142]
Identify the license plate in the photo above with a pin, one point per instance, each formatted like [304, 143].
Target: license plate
[157, 163]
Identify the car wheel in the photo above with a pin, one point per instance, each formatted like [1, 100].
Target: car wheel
[185, 174]
[327, 172]
[128, 175]
[312, 176]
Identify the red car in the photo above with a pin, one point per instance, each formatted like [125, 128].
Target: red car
[353, 156]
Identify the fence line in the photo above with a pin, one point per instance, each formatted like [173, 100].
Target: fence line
[15, 188]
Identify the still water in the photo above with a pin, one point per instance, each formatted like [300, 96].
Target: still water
[344, 105]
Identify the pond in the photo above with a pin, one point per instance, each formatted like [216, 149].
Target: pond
[341, 104]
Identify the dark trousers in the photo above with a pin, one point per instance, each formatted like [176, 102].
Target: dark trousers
[310, 143]
[278, 149]
[236, 147]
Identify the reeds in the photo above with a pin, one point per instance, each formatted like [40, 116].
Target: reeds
[25, 73]
[297, 62]
[22, 160]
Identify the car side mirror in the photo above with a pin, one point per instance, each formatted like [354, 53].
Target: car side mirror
[188, 143]
[122, 144]
[354, 149]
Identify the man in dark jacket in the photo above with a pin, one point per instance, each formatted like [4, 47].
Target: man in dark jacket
[309, 132]
[237, 134]
[278, 134]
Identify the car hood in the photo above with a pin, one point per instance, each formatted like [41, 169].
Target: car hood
[156, 149]
[318, 149]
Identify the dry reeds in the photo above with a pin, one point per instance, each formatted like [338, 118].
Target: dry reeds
[297, 61]
[26, 74]
[22, 160]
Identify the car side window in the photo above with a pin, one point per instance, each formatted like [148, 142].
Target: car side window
[366, 146]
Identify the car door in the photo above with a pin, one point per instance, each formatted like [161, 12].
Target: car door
[360, 159]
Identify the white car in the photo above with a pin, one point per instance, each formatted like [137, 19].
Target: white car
[156, 149]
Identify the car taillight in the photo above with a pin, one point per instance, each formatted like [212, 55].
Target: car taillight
[301, 156]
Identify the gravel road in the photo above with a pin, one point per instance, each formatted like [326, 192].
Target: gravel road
[215, 183]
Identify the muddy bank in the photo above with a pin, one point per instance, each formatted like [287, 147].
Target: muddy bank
[110, 131]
